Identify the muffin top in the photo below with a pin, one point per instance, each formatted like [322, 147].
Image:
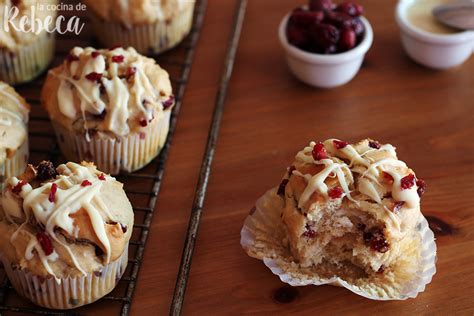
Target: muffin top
[110, 91]
[13, 121]
[367, 174]
[67, 221]
[13, 39]
[133, 12]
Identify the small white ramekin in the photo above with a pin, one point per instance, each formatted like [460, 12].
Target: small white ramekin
[325, 71]
[438, 51]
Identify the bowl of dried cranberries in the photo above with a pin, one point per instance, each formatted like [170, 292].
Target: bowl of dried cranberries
[325, 43]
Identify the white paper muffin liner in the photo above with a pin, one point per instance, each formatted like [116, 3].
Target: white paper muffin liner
[15, 165]
[28, 61]
[151, 38]
[70, 292]
[263, 237]
[113, 154]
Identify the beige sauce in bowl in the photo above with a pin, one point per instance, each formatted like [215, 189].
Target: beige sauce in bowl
[419, 15]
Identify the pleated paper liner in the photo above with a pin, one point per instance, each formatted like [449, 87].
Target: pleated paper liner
[263, 237]
[15, 165]
[70, 292]
[113, 154]
[150, 38]
[28, 61]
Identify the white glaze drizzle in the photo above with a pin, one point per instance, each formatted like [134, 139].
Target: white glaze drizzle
[70, 197]
[120, 99]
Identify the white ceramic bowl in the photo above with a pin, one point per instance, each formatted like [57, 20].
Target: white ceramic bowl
[438, 51]
[325, 71]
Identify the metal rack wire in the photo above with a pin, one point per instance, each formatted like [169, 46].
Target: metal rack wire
[146, 183]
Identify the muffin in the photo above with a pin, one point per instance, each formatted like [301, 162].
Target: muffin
[111, 107]
[13, 132]
[347, 214]
[25, 54]
[149, 26]
[64, 234]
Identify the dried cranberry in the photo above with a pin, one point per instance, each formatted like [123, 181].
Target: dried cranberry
[304, 19]
[86, 183]
[378, 242]
[350, 8]
[318, 5]
[397, 206]
[130, 72]
[324, 36]
[168, 103]
[118, 59]
[45, 242]
[358, 28]
[387, 176]
[52, 193]
[76, 77]
[95, 54]
[338, 19]
[297, 36]
[70, 58]
[407, 181]
[421, 184]
[45, 170]
[374, 144]
[319, 152]
[335, 192]
[381, 269]
[339, 144]
[143, 122]
[142, 135]
[290, 170]
[309, 232]
[282, 186]
[101, 177]
[17, 188]
[94, 76]
[348, 40]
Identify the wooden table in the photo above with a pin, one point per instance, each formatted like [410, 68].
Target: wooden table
[269, 116]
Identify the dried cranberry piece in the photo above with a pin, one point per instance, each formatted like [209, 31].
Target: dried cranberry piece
[45, 170]
[94, 76]
[374, 144]
[358, 28]
[290, 170]
[118, 59]
[387, 176]
[168, 103]
[76, 77]
[131, 71]
[101, 177]
[52, 193]
[397, 206]
[319, 152]
[143, 122]
[339, 144]
[297, 36]
[17, 188]
[282, 186]
[95, 54]
[318, 5]
[348, 40]
[381, 269]
[324, 36]
[309, 233]
[350, 8]
[407, 181]
[421, 184]
[70, 58]
[378, 242]
[335, 192]
[45, 242]
[338, 19]
[86, 183]
[304, 19]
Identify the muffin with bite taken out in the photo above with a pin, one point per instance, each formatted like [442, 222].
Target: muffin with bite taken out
[64, 233]
[109, 106]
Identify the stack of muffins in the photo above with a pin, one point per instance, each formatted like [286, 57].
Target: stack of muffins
[65, 229]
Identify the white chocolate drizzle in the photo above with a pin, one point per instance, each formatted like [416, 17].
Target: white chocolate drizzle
[71, 196]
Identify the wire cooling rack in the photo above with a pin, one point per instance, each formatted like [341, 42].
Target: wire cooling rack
[142, 187]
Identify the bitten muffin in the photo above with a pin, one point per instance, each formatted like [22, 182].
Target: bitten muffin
[64, 233]
[149, 26]
[111, 107]
[24, 54]
[14, 113]
[352, 212]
